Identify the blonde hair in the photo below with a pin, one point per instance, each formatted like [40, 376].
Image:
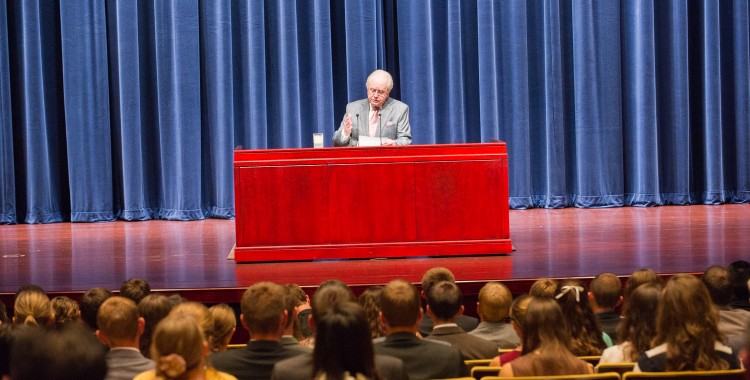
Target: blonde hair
[177, 346]
[224, 323]
[33, 308]
[494, 301]
[199, 312]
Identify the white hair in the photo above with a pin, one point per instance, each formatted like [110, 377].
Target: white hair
[388, 78]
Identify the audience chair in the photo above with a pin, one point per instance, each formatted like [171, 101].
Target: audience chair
[455, 378]
[614, 367]
[595, 376]
[729, 374]
[471, 363]
[479, 372]
[593, 360]
[236, 346]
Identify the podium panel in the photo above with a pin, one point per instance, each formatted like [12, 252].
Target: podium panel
[374, 202]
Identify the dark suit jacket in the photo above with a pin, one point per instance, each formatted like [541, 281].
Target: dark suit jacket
[394, 123]
[465, 322]
[300, 368]
[293, 344]
[471, 347]
[254, 361]
[124, 364]
[423, 359]
[609, 321]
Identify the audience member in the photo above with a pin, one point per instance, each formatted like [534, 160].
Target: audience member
[605, 294]
[3, 314]
[66, 311]
[493, 307]
[739, 273]
[90, 303]
[444, 306]
[640, 276]
[152, 308]
[343, 350]
[264, 316]
[34, 308]
[719, 286]
[745, 353]
[175, 299]
[291, 329]
[200, 313]
[687, 335]
[544, 287]
[179, 349]
[517, 315]
[224, 325]
[71, 352]
[430, 278]
[400, 313]
[545, 340]
[303, 311]
[638, 325]
[120, 328]
[135, 289]
[370, 301]
[328, 294]
[587, 337]
[8, 334]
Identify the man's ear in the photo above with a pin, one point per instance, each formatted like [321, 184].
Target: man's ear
[141, 326]
[102, 337]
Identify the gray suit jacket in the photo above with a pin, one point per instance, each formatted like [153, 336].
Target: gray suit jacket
[394, 123]
[300, 368]
[471, 347]
[123, 364]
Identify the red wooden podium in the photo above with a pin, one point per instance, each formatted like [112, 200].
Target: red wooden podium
[374, 202]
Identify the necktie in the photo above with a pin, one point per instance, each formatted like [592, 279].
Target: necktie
[374, 121]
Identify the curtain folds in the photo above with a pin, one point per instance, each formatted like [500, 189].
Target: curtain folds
[131, 109]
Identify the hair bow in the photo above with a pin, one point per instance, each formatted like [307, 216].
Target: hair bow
[566, 289]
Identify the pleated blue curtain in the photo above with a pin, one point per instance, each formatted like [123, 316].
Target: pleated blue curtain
[131, 109]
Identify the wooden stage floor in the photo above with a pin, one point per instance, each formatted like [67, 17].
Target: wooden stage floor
[191, 257]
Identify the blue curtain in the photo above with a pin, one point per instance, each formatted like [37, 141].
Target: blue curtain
[131, 109]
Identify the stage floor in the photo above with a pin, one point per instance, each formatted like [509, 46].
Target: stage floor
[191, 256]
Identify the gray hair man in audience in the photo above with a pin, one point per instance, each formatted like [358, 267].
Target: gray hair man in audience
[493, 307]
[120, 329]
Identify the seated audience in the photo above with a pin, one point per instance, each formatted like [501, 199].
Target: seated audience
[329, 292]
[152, 308]
[3, 314]
[291, 329]
[66, 311]
[120, 328]
[739, 273]
[179, 349]
[745, 353]
[605, 294]
[224, 325]
[33, 308]
[545, 340]
[587, 338]
[400, 314]
[444, 306]
[370, 301]
[135, 289]
[71, 352]
[687, 333]
[493, 307]
[638, 325]
[640, 276]
[303, 311]
[430, 278]
[264, 316]
[719, 285]
[8, 334]
[90, 303]
[517, 315]
[544, 287]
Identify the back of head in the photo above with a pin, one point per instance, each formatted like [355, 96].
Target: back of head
[33, 308]
[328, 294]
[224, 324]
[178, 345]
[262, 307]
[199, 312]
[66, 310]
[90, 303]
[400, 304]
[8, 334]
[152, 308]
[640, 276]
[370, 301]
[3, 313]
[118, 320]
[343, 343]
[71, 352]
[544, 287]
[638, 324]
[688, 324]
[297, 293]
[716, 279]
[739, 273]
[544, 324]
[586, 335]
[135, 289]
[494, 301]
[435, 275]
[445, 300]
[607, 290]
[518, 310]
